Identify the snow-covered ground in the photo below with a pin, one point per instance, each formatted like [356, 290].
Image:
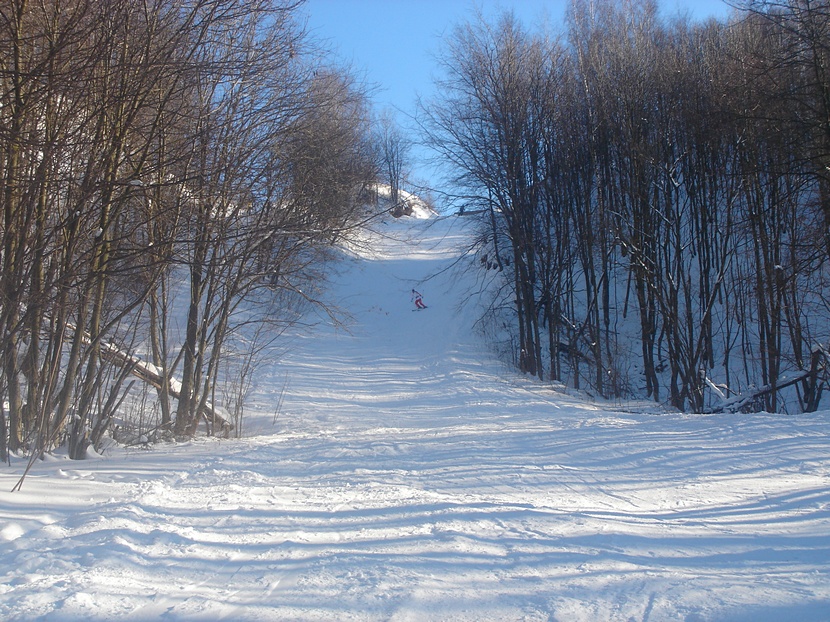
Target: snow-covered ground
[409, 476]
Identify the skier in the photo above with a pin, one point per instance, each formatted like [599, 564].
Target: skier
[419, 302]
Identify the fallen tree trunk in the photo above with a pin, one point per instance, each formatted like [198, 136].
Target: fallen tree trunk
[813, 387]
[148, 373]
[736, 403]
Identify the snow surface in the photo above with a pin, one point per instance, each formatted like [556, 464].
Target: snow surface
[408, 476]
[417, 207]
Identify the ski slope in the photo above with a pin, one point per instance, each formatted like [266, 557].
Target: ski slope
[407, 476]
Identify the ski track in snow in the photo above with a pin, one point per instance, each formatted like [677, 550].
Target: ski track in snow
[409, 477]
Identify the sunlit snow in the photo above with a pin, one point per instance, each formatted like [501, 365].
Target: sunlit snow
[408, 475]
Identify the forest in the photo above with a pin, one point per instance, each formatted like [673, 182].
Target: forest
[652, 196]
[168, 168]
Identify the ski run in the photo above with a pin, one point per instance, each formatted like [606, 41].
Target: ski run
[392, 469]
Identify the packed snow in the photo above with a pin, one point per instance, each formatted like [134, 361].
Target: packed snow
[393, 469]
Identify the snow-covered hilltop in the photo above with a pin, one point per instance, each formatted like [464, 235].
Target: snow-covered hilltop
[407, 204]
[393, 470]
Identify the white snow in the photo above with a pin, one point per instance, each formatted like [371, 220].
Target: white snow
[409, 477]
[418, 208]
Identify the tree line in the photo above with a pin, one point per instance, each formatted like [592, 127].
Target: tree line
[161, 161]
[653, 195]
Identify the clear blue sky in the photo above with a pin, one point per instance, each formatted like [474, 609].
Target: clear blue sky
[393, 43]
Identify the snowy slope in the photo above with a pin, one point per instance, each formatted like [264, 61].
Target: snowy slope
[409, 203]
[408, 476]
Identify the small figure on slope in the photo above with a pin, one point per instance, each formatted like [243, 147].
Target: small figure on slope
[418, 299]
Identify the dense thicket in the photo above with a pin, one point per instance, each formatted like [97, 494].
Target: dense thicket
[155, 157]
[653, 196]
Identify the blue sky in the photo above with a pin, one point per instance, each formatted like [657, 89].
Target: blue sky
[393, 43]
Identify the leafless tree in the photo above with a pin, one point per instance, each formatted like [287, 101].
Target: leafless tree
[393, 149]
[143, 146]
[648, 179]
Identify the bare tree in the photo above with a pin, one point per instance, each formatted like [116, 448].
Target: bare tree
[144, 143]
[486, 128]
[393, 148]
[647, 179]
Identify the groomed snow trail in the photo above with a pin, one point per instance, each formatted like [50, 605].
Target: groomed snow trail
[409, 477]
